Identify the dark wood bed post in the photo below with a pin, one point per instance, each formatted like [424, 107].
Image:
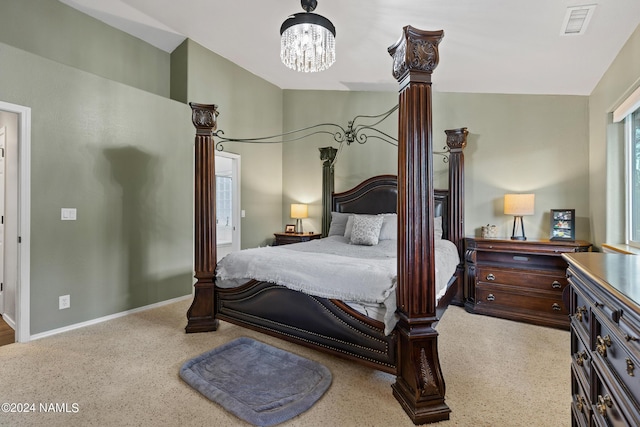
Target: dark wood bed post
[456, 141]
[419, 385]
[327, 155]
[201, 314]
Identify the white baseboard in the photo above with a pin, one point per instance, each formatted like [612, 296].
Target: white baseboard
[105, 318]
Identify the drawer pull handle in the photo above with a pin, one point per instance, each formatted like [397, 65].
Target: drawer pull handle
[556, 307]
[630, 367]
[579, 402]
[556, 285]
[581, 357]
[602, 344]
[579, 312]
[491, 297]
[604, 403]
[630, 338]
[491, 277]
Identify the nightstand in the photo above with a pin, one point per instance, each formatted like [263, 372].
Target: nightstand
[519, 280]
[288, 238]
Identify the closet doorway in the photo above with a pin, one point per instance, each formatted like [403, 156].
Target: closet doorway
[228, 212]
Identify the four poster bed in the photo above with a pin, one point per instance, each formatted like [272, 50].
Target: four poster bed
[408, 346]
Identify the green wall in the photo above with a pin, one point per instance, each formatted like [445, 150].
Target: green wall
[516, 143]
[606, 144]
[248, 107]
[55, 31]
[108, 141]
[120, 156]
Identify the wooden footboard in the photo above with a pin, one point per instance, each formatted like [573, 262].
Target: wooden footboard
[319, 323]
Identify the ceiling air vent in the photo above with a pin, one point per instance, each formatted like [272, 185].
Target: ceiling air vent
[576, 20]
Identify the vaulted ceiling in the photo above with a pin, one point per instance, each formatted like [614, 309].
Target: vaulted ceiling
[490, 46]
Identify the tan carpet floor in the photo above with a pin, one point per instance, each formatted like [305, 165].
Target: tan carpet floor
[124, 372]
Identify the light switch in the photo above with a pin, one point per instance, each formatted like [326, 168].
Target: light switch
[242, 213]
[68, 214]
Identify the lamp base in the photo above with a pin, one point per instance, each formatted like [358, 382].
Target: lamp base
[518, 220]
[298, 226]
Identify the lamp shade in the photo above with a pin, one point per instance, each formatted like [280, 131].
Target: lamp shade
[299, 210]
[519, 204]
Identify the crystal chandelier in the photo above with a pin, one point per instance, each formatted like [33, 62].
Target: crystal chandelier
[308, 40]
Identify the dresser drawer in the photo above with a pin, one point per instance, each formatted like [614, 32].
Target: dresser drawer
[530, 279]
[581, 316]
[580, 405]
[606, 408]
[496, 295]
[610, 350]
[521, 260]
[581, 358]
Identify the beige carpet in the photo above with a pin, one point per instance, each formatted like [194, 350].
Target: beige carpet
[124, 372]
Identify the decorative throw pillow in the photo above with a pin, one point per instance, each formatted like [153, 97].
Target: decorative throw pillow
[338, 223]
[366, 229]
[389, 230]
[437, 227]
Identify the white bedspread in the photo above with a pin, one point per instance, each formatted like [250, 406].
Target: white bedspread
[333, 268]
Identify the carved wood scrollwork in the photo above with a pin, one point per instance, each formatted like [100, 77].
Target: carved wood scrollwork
[416, 50]
[204, 117]
[429, 385]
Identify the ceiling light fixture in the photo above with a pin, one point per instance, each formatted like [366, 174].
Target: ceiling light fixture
[308, 40]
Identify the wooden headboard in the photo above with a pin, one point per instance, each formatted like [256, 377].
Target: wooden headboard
[379, 194]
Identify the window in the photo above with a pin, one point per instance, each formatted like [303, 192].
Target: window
[632, 136]
[224, 192]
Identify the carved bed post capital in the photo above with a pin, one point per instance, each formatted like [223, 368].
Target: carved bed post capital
[456, 139]
[204, 117]
[201, 314]
[416, 51]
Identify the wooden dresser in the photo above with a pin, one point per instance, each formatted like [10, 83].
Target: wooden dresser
[519, 280]
[605, 339]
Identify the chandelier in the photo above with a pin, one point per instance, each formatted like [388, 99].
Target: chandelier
[308, 40]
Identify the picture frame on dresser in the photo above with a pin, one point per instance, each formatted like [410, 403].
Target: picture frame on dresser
[290, 228]
[563, 224]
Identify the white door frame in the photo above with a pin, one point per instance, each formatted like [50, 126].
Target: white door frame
[23, 288]
[235, 181]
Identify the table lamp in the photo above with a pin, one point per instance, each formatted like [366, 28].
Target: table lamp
[299, 211]
[518, 205]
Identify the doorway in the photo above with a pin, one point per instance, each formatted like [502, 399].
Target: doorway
[16, 120]
[228, 211]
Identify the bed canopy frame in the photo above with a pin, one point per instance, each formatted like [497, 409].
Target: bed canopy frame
[419, 385]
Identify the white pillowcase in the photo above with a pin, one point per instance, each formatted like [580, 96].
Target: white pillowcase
[338, 223]
[437, 228]
[366, 229]
[389, 230]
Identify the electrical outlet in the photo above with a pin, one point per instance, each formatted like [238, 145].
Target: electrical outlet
[64, 301]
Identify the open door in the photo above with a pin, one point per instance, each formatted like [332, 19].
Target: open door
[227, 203]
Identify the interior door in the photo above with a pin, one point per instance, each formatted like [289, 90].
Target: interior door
[2, 180]
[227, 203]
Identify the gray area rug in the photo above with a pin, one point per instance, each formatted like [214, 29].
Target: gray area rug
[259, 383]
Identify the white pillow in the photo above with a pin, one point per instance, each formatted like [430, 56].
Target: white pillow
[437, 228]
[366, 229]
[389, 230]
[338, 223]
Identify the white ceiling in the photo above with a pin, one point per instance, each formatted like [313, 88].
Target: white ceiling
[490, 46]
